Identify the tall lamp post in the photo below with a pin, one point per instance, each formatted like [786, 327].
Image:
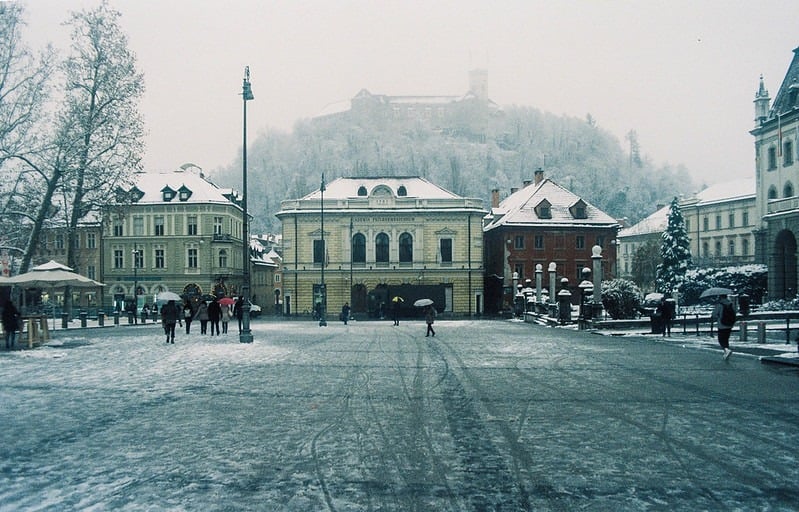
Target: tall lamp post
[135, 254]
[245, 336]
[322, 290]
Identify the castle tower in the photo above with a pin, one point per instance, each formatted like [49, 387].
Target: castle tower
[762, 102]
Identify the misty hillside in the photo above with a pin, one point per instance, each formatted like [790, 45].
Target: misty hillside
[479, 149]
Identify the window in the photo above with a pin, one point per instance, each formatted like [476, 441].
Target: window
[217, 225]
[59, 241]
[191, 225]
[544, 212]
[118, 231]
[402, 191]
[745, 247]
[158, 224]
[539, 241]
[787, 190]
[160, 262]
[718, 248]
[381, 248]
[138, 226]
[192, 259]
[580, 242]
[772, 192]
[318, 252]
[358, 248]
[138, 259]
[745, 218]
[732, 220]
[772, 158]
[600, 241]
[787, 153]
[91, 271]
[223, 258]
[731, 248]
[705, 249]
[718, 221]
[361, 191]
[119, 259]
[406, 248]
[705, 224]
[91, 241]
[518, 242]
[445, 246]
[518, 268]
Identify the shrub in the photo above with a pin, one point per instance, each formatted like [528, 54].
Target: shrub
[748, 279]
[621, 298]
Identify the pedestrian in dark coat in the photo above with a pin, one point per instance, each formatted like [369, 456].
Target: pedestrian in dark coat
[214, 315]
[202, 316]
[668, 310]
[169, 317]
[345, 313]
[724, 328]
[429, 318]
[238, 312]
[11, 323]
[395, 310]
[188, 315]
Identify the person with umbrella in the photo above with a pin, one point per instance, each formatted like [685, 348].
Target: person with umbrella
[429, 318]
[169, 317]
[724, 316]
[214, 315]
[396, 302]
[225, 304]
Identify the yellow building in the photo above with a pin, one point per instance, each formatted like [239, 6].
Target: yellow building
[375, 238]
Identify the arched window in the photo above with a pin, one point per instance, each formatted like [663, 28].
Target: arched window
[787, 190]
[361, 191]
[222, 258]
[402, 191]
[406, 248]
[772, 192]
[358, 248]
[381, 248]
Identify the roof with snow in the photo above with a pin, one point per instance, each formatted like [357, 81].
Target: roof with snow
[178, 186]
[546, 203]
[655, 223]
[401, 186]
[728, 191]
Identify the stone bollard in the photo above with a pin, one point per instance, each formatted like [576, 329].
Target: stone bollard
[742, 331]
[761, 332]
[116, 317]
[83, 316]
[100, 318]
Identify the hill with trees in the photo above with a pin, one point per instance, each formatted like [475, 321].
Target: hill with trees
[479, 150]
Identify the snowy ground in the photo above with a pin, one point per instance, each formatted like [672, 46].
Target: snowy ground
[485, 416]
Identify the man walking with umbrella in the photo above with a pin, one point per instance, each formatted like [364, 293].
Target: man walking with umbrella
[724, 315]
[169, 316]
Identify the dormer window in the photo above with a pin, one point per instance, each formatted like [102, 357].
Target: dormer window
[184, 193]
[579, 210]
[136, 194]
[401, 191]
[361, 191]
[544, 209]
[168, 194]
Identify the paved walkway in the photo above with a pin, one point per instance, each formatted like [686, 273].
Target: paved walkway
[487, 415]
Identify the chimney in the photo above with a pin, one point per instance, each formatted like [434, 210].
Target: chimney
[494, 198]
[539, 176]
[527, 182]
[513, 190]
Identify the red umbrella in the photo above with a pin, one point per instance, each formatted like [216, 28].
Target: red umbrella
[226, 301]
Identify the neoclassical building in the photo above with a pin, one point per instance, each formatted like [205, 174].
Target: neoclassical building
[375, 238]
[776, 136]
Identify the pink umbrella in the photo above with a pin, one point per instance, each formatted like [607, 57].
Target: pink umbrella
[226, 301]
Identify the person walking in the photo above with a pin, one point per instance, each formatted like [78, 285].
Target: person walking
[169, 317]
[668, 309]
[202, 316]
[214, 315]
[724, 316]
[188, 315]
[429, 318]
[345, 313]
[11, 323]
[225, 311]
[395, 310]
[238, 311]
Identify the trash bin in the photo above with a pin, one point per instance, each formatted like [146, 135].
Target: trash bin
[656, 323]
[743, 304]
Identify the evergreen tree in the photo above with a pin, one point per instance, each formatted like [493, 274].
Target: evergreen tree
[674, 251]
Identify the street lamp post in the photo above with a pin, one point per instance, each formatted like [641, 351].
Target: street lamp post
[245, 336]
[135, 254]
[322, 290]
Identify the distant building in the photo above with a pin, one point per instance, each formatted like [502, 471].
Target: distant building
[776, 136]
[437, 112]
[632, 239]
[383, 237]
[543, 223]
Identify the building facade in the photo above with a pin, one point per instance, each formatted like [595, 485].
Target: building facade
[180, 233]
[540, 224]
[367, 240]
[776, 136]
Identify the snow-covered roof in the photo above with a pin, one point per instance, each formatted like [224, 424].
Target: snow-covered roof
[655, 223]
[153, 184]
[414, 187]
[520, 208]
[728, 190]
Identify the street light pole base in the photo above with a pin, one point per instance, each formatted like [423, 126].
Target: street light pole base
[322, 322]
[245, 337]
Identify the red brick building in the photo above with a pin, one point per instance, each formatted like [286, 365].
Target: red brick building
[542, 223]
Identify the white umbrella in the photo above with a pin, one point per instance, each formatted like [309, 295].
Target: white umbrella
[422, 302]
[164, 297]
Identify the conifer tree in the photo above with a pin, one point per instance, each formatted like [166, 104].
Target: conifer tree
[675, 251]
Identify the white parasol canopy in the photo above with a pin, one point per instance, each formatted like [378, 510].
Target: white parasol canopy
[51, 275]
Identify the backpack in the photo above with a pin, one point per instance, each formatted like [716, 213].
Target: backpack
[727, 314]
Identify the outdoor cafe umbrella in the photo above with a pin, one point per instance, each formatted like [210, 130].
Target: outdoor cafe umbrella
[50, 275]
[715, 292]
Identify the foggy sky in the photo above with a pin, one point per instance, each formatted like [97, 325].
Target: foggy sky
[682, 73]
